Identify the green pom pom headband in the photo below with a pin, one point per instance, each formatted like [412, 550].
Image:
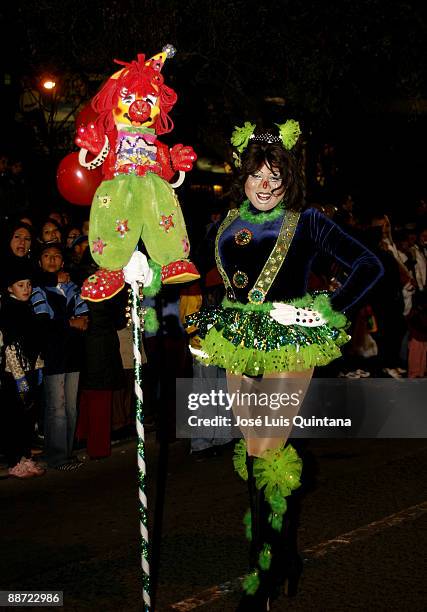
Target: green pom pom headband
[289, 133]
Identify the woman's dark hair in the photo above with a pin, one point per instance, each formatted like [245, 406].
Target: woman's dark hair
[14, 227]
[274, 155]
[53, 222]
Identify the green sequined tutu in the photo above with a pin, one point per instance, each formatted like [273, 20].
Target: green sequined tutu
[244, 339]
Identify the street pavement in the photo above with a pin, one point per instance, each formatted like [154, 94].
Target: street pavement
[78, 531]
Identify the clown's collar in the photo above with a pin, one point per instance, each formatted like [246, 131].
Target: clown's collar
[135, 130]
[248, 212]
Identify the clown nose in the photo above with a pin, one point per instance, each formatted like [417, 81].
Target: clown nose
[139, 111]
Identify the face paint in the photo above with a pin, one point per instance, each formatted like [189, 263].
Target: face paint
[136, 110]
[264, 188]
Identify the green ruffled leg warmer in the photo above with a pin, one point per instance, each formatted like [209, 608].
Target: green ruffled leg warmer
[271, 478]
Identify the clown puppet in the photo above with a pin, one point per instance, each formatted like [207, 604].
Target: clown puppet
[136, 199]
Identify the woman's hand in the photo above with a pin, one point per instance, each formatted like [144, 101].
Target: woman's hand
[285, 314]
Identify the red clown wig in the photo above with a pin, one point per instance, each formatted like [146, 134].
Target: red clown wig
[142, 77]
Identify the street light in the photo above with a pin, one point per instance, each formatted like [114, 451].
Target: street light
[48, 84]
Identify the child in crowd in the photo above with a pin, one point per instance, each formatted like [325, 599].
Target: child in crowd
[21, 371]
[65, 317]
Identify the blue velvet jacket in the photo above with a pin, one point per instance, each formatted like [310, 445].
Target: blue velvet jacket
[314, 234]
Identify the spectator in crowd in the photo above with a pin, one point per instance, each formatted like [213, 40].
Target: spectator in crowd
[81, 264]
[417, 345]
[123, 411]
[65, 316]
[22, 370]
[66, 219]
[389, 319]
[209, 291]
[20, 240]
[58, 217]
[14, 190]
[419, 256]
[102, 373]
[70, 234]
[345, 214]
[50, 231]
[85, 227]
[17, 240]
[78, 249]
[421, 211]
[168, 358]
[422, 241]
[26, 219]
[3, 164]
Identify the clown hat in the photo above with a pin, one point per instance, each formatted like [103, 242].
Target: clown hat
[158, 60]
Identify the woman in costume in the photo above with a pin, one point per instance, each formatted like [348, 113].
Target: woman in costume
[269, 328]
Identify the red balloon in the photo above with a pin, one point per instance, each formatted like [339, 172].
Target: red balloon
[75, 183]
[86, 115]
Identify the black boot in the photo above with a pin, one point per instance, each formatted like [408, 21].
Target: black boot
[260, 531]
[286, 565]
[279, 546]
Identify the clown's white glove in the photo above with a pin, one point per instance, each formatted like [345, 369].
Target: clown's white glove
[137, 270]
[285, 314]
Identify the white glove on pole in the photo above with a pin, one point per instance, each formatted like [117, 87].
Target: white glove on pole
[137, 270]
[285, 314]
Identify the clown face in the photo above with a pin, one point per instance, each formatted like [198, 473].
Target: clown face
[264, 188]
[136, 110]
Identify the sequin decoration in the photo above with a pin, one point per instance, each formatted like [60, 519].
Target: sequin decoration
[230, 294]
[122, 227]
[166, 222]
[104, 201]
[243, 236]
[98, 246]
[240, 279]
[273, 263]
[252, 342]
[256, 295]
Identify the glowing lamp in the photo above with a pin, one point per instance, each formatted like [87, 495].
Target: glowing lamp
[49, 84]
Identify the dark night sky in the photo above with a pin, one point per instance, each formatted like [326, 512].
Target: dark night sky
[352, 71]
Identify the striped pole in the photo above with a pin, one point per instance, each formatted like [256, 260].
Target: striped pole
[143, 518]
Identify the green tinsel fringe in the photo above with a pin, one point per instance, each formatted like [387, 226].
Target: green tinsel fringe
[151, 323]
[244, 339]
[258, 219]
[277, 503]
[239, 459]
[241, 360]
[322, 304]
[264, 559]
[247, 521]
[279, 471]
[251, 583]
[265, 307]
[276, 521]
[154, 287]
